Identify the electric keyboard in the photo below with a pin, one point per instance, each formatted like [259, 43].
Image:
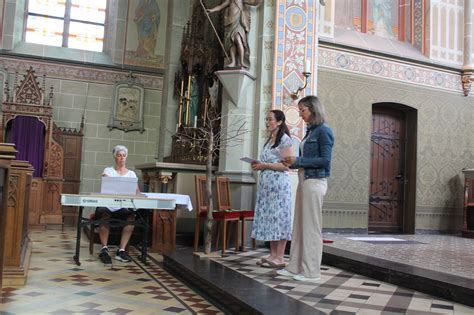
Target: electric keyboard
[134, 202]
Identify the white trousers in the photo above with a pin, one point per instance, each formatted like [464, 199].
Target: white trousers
[307, 241]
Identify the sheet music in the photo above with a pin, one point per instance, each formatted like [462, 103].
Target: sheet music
[119, 185]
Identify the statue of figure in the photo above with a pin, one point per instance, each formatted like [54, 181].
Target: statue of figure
[193, 101]
[214, 93]
[147, 18]
[237, 27]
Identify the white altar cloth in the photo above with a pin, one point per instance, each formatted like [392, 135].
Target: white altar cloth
[183, 201]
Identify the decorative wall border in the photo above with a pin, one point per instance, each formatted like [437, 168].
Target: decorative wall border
[419, 22]
[296, 44]
[80, 73]
[388, 69]
[438, 210]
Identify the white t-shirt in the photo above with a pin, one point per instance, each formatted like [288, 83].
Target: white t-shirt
[110, 171]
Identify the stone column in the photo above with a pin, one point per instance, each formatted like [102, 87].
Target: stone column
[468, 65]
[248, 105]
[178, 15]
[296, 51]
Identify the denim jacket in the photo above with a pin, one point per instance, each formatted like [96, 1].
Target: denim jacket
[317, 152]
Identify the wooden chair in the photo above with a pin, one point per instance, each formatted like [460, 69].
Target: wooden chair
[223, 217]
[224, 203]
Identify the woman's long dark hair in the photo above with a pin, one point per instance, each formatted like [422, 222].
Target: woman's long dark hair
[282, 129]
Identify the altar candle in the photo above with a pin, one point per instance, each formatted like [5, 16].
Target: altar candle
[195, 121]
[308, 66]
[188, 98]
[181, 97]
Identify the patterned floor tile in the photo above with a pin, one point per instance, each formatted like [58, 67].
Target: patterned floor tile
[342, 292]
[133, 288]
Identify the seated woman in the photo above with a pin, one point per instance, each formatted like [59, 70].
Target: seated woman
[120, 156]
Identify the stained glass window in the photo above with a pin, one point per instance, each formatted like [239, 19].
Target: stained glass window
[67, 23]
[88, 10]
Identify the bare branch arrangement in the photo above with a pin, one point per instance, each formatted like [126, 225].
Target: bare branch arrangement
[209, 138]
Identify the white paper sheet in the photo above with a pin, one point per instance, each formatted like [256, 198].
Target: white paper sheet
[118, 185]
[248, 159]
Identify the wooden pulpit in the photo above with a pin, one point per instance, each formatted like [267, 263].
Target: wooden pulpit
[7, 154]
[17, 250]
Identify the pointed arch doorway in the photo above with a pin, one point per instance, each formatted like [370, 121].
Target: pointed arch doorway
[392, 169]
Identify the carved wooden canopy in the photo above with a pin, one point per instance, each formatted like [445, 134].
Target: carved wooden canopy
[28, 98]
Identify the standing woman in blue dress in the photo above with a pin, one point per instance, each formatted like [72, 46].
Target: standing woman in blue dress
[314, 165]
[272, 221]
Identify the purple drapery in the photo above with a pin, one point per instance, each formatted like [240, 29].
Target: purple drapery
[27, 133]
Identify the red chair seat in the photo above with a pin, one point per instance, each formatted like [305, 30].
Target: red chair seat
[222, 214]
[226, 215]
[247, 214]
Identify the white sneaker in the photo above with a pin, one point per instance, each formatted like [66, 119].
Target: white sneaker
[285, 273]
[303, 278]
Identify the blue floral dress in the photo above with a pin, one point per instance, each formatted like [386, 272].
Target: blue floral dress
[272, 221]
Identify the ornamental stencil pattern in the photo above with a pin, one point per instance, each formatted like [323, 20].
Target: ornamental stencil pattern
[365, 65]
[62, 71]
[419, 18]
[295, 46]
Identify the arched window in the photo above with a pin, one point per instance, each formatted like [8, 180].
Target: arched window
[66, 23]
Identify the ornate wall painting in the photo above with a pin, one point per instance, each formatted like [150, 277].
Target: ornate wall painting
[3, 79]
[382, 21]
[146, 33]
[127, 106]
[296, 50]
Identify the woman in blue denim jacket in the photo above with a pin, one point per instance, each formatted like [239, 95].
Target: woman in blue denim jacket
[314, 166]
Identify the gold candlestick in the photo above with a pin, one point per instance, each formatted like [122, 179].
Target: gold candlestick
[295, 95]
[188, 98]
[206, 104]
[180, 109]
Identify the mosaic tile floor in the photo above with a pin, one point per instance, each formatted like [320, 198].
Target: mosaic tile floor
[444, 253]
[56, 285]
[341, 292]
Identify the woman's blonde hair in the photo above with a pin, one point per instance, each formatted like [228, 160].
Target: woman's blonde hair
[119, 148]
[315, 107]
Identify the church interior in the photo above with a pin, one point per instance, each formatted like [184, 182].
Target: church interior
[185, 86]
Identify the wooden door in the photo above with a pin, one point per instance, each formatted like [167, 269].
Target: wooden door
[387, 179]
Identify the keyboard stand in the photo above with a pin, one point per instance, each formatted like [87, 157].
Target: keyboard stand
[142, 222]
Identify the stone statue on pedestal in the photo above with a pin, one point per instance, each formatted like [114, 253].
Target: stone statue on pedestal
[237, 27]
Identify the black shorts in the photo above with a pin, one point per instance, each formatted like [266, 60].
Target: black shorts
[121, 214]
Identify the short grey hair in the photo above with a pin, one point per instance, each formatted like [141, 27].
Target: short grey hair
[119, 148]
[315, 107]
